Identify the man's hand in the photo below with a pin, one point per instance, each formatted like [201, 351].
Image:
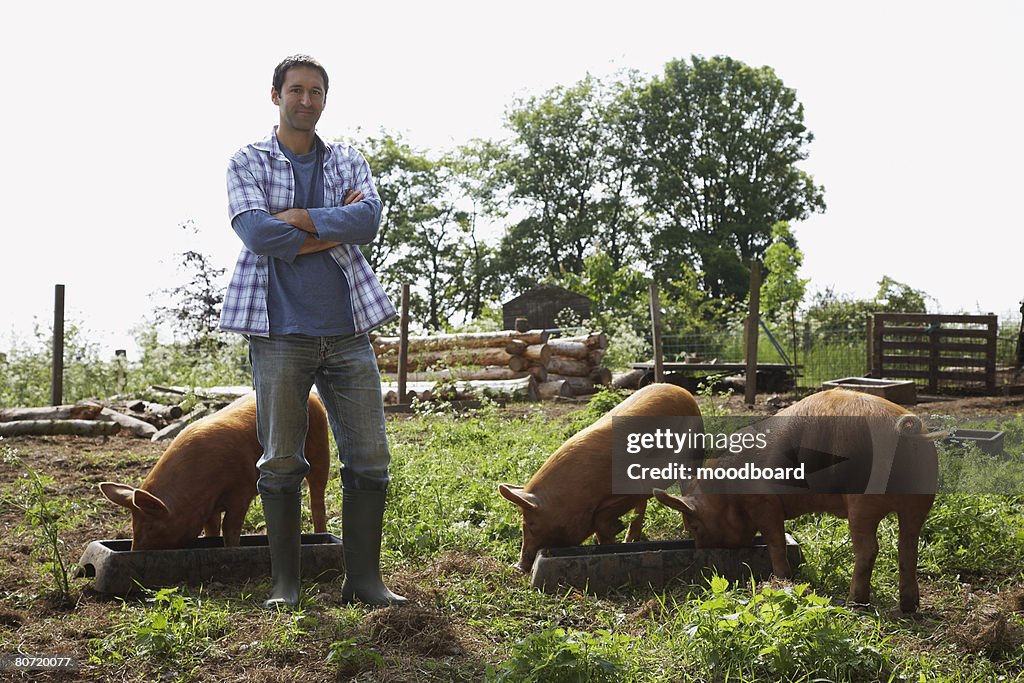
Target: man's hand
[297, 218]
[351, 197]
[313, 245]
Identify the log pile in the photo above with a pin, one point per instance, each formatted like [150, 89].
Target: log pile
[559, 366]
[143, 419]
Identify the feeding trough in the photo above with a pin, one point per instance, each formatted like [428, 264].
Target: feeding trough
[898, 391]
[988, 441]
[116, 568]
[600, 568]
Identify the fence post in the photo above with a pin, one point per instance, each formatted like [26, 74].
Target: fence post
[753, 315]
[659, 368]
[57, 377]
[403, 345]
[121, 364]
[871, 346]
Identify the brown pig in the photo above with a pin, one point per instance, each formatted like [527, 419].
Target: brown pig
[731, 520]
[570, 497]
[210, 469]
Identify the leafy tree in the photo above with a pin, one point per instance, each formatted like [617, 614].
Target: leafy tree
[897, 297]
[569, 168]
[194, 308]
[407, 183]
[832, 311]
[722, 141]
[617, 293]
[782, 291]
[429, 235]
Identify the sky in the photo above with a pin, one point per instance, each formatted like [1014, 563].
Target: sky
[120, 119]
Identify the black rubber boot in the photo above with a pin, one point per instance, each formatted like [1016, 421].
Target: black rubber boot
[284, 529]
[362, 522]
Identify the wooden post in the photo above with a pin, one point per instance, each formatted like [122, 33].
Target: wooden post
[659, 370]
[877, 352]
[933, 359]
[57, 378]
[121, 363]
[753, 315]
[871, 347]
[403, 345]
[991, 332]
[521, 324]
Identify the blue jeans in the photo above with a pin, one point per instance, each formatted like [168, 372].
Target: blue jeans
[344, 369]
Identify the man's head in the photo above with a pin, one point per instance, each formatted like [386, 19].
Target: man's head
[300, 92]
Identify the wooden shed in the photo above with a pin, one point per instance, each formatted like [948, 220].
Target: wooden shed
[541, 305]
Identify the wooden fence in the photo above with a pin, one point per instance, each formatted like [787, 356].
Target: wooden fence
[954, 350]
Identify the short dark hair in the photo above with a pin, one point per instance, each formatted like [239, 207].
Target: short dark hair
[293, 61]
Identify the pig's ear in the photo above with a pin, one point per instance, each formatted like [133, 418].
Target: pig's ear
[146, 502]
[684, 504]
[118, 493]
[517, 495]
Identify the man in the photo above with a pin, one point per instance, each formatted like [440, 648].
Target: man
[305, 297]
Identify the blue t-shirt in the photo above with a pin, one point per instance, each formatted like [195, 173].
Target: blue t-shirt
[310, 295]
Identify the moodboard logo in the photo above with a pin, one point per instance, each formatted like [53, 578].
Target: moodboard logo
[801, 454]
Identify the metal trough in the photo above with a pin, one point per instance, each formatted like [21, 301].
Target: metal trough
[988, 441]
[601, 568]
[116, 568]
[898, 391]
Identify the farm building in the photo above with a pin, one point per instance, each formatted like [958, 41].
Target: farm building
[541, 305]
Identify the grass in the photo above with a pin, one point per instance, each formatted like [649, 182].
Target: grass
[450, 543]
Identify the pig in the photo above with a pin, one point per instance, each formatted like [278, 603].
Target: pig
[210, 469]
[570, 497]
[731, 520]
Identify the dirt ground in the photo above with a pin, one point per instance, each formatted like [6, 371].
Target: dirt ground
[33, 623]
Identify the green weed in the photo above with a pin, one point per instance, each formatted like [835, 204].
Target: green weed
[46, 517]
[555, 655]
[786, 634]
[172, 628]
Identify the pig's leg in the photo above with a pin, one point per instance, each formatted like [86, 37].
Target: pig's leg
[234, 516]
[774, 534]
[864, 533]
[212, 525]
[911, 521]
[636, 527]
[607, 526]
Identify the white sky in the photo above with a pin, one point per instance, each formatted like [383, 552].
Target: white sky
[120, 118]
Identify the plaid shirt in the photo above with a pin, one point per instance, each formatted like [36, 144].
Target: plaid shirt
[260, 177]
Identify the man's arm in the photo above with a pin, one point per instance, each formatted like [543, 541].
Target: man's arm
[355, 222]
[267, 235]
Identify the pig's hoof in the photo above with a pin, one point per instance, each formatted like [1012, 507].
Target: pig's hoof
[909, 606]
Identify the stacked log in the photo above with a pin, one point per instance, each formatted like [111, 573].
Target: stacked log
[138, 418]
[576, 361]
[561, 366]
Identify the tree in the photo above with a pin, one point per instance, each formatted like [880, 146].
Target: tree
[428, 233]
[407, 184]
[832, 311]
[782, 291]
[194, 311]
[897, 297]
[722, 141]
[569, 168]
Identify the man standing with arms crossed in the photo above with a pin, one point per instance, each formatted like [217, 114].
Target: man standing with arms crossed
[306, 298]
